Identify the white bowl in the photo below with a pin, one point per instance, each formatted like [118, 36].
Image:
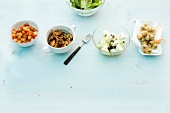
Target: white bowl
[85, 12]
[20, 23]
[66, 29]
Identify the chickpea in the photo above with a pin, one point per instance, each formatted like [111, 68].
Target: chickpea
[144, 33]
[149, 45]
[142, 27]
[148, 28]
[147, 38]
[145, 24]
[145, 51]
[144, 46]
[143, 39]
[144, 42]
[152, 43]
[153, 29]
[152, 36]
[152, 39]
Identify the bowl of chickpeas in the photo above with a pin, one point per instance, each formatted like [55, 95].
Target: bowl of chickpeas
[24, 33]
[60, 38]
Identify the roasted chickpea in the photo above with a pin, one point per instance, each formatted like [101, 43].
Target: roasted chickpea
[144, 33]
[145, 24]
[147, 38]
[148, 28]
[140, 36]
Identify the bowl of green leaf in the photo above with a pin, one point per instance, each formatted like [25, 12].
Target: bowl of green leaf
[85, 7]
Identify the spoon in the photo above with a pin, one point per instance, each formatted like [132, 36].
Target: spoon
[84, 40]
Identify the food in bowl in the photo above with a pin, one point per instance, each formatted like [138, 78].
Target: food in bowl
[85, 4]
[59, 39]
[83, 8]
[112, 43]
[147, 38]
[26, 33]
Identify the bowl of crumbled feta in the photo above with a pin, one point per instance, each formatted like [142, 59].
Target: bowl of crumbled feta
[111, 40]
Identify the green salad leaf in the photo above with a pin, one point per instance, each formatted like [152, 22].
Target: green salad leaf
[85, 4]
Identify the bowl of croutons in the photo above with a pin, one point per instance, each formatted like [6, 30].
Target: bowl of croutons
[60, 39]
[24, 33]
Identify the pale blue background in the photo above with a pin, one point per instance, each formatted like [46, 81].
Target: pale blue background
[32, 81]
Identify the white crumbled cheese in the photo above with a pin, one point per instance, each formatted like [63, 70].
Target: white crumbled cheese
[103, 44]
[121, 43]
[105, 49]
[113, 50]
[119, 48]
[122, 36]
[112, 43]
[107, 35]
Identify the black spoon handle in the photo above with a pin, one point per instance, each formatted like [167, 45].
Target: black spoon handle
[71, 56]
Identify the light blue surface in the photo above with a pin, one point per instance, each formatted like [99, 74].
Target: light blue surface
[32, 81]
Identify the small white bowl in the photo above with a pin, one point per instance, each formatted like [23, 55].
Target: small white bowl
[20, 23]
[85, 12]
[66, 29]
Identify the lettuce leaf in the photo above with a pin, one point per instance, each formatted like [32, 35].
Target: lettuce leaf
[85, 4]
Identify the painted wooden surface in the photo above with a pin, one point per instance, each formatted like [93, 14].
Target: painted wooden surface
[32, 81]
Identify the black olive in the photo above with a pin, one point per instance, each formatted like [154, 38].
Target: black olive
[112, 41]
[110, 47]
[64, 38]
